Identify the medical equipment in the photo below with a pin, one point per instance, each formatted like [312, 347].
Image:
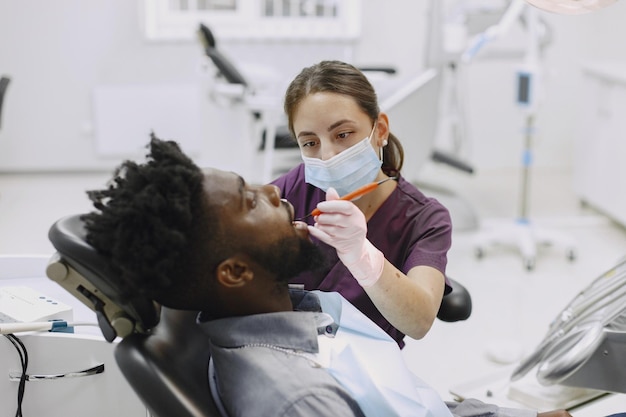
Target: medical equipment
[354, 194]
[264, 104]
[37, 326]
[21, 304]
[522, 234]
[446, 41]
[571, 6]
[69, 373]
[585, 345]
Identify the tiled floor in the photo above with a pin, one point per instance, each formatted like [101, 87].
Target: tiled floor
[512, 307]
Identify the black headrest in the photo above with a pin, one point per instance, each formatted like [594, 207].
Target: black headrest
[207, 36]
[82, 271]
[223, 64]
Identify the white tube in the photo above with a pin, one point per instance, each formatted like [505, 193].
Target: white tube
[37, 326]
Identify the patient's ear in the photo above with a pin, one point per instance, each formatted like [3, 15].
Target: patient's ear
[234, 272]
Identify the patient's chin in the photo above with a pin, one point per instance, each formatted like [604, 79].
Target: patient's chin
[302, 230]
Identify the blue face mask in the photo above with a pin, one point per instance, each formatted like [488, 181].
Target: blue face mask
[346, 171]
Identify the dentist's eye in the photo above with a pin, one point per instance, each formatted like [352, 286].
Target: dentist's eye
[307, 142]
[344, 135]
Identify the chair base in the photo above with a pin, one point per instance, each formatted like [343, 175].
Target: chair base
[526, 238]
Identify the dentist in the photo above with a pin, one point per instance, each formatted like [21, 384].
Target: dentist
[388, 248]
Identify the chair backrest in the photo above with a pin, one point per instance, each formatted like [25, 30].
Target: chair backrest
[456, 305]
[168, 369]
[162, 354]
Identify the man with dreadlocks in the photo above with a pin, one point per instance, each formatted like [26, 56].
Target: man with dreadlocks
[207, 241]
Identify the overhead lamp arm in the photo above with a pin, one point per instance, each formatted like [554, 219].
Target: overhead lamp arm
[571, 6]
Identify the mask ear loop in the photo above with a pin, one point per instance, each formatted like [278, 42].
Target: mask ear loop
[380, 150]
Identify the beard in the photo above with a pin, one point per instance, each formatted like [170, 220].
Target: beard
[289, 257]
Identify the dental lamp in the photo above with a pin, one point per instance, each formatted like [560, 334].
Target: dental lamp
[570, 6]
[521, 234]
[515, 10]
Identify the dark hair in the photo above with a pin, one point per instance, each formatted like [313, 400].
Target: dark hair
[153, 225]
[342, 78]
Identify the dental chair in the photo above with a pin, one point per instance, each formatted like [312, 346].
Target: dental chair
[160, 352]
[266, 107]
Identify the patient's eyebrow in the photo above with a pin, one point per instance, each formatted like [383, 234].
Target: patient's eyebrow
[242, 186]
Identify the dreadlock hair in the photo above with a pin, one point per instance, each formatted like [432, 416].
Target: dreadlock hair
[151, 222]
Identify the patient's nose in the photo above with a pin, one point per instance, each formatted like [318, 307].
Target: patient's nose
[273, 193]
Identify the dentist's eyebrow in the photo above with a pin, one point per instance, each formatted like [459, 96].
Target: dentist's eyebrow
[338, 123]
[329, 129]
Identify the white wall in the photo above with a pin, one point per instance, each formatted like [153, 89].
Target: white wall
[57, 52]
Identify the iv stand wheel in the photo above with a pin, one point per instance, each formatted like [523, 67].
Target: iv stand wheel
[529, 264]
[479, 253]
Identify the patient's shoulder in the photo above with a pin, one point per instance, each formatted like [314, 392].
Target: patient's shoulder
[248, 377]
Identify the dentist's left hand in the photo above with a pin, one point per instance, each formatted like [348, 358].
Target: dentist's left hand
[343, 226]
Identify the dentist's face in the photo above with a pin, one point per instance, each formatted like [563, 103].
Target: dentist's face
[327, 123]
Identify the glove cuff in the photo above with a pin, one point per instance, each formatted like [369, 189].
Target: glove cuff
[368, 269]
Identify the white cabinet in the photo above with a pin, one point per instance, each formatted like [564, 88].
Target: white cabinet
[600, 157]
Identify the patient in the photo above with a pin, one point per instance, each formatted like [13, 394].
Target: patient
[209, 242]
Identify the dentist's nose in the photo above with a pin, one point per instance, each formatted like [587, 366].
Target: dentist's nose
[328, 152]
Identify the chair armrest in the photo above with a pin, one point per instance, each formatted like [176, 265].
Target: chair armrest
[457, 305]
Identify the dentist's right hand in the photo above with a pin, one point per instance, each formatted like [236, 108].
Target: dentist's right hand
[342, 225]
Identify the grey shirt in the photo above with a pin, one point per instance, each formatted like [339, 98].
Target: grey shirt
[262, 367]
[265, 366]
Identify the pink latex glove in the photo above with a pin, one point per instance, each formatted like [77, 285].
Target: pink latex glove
[342, 225]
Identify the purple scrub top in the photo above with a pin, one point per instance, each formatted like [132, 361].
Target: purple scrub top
[409, 228]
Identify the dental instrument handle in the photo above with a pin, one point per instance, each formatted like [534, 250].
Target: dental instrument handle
[8, 328]
[356, 193]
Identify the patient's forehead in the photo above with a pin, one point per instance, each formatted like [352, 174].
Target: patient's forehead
[221, 187]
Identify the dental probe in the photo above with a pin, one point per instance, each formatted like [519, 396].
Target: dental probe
[354, 194]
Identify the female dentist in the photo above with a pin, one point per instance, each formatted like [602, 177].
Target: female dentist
[388, 248]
